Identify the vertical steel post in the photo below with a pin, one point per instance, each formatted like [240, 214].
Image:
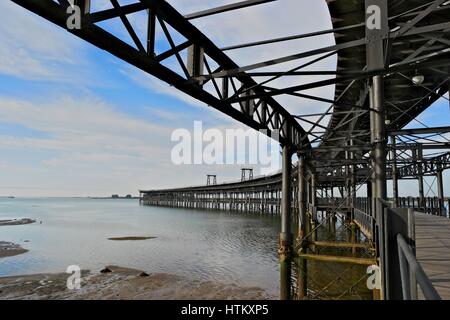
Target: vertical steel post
[312, 221]
[285, 244]
[302, 281]
[195, 64]
[379, 142]
[377, 30]
[440, 190]
[313, 194]
[394, 171]
[422, 204]
[352, 181]
[347, 176]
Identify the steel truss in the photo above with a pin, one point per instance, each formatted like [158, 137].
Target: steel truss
[259, 114]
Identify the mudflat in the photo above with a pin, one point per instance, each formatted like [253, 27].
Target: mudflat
[15, 222]
[131, 238]
[9, 249]
[123, 283]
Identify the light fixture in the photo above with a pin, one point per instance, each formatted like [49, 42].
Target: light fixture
[387, 121]
[418, 78]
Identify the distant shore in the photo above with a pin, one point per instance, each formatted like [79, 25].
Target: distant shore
[123, 284]
[111, 198]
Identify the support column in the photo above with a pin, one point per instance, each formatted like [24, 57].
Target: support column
[302, 281]
[313, 195]
[195, 63]
[377, 30]
[347, 176]
[352, 181]
[312, 227]
[394, 172]
[379, 135]
[422, 203]
[285, 244]
[440, 190]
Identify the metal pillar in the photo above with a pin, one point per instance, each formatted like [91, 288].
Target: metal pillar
[379, 135]
[347, 177]
[285, 244]
[377, 30]
[394, 171]
[313, 195]
[195, 63]
[422, 204]
[312, 221]
[352, 182]
[302, 281]
[440, 190]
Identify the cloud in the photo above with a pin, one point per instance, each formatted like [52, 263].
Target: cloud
[86, 121]
[153, 84]
[35, 49]
[84, 133]
[87, 147]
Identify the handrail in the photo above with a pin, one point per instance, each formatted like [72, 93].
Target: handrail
[408, 262]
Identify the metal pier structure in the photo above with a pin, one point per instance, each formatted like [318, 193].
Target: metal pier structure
[393, 63]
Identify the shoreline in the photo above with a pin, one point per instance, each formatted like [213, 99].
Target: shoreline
[123, 284]
[10, 249]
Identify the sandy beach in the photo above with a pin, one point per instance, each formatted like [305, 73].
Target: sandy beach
[123, 283]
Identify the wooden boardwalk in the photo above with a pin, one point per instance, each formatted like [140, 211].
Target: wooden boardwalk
[433, 250]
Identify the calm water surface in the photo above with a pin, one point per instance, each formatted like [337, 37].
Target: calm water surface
[226, 247]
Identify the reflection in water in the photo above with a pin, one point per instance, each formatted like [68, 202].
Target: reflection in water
[226, 247]
[331, 280]
[205, 245]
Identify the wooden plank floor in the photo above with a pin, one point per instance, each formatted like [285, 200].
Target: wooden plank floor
[433, 250]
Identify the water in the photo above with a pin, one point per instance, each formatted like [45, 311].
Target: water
[204, 245]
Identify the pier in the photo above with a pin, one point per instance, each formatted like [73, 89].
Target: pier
[393, 63]
[433, 250]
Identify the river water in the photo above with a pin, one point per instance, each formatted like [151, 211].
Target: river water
[204, 245]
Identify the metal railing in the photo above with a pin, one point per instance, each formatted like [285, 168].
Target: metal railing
[412, 274]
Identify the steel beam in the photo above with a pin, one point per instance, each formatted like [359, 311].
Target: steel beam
[225, 8]
[405, 132]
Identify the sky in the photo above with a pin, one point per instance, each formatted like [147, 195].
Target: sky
[76, 121]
